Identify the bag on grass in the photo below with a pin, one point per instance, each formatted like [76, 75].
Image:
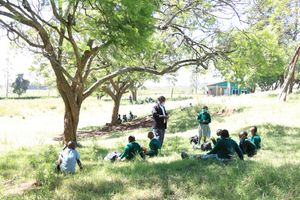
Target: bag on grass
[194, 139]
[112, 156]
[206, 146]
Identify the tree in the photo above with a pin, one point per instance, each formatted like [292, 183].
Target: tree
[115, 89]
[254, 54]
[20, 85]
[71, 34]
[283, 17]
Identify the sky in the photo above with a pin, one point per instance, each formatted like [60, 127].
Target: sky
[16, 61]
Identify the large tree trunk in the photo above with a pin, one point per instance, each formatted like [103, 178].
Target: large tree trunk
[134, 94]
[116, 107]
[71, 119]
[290, 75]
[290, 90]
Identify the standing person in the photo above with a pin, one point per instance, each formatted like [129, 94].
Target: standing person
[68, 158]
[160, 117]
[204, 119]
[255, 138]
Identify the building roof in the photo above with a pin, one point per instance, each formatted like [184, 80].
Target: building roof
[223, 84]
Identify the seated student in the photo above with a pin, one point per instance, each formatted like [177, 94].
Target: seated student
[218, 133]
[223, 151]
[255, 138]
[154, 145]
[68, 158]
[246, 145]
[131, 149]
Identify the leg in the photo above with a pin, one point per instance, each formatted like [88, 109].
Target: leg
[200, 133]
[162, 136]
[159, 133]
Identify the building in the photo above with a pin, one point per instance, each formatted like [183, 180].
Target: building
[226, 88]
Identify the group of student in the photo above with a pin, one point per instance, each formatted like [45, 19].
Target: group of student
[69, 156]
[224, 147]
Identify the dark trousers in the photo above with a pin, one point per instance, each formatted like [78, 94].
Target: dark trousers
[160, 134]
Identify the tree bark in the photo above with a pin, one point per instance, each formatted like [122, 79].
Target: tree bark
[290, 75]
[292, 83]
[134, 94]
[114, 116]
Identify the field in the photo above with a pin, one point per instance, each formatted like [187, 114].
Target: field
[274, 173]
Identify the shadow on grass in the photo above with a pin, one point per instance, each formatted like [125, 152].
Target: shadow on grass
[96, 189]
[278, 138]
[209, 179]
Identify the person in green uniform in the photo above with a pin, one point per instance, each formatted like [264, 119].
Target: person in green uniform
[255, 138]
[246, 145]
[131, 150]
[222, 151]
[154, 145]
[204, 119]
[218, 133]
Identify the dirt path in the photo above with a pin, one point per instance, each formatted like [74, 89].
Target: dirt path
[38, 128]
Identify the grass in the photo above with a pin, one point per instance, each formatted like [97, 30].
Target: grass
[274, 173]
[261, 177]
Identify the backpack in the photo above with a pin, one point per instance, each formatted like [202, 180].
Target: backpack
[194, 139]
[206, 146]
[112, 156]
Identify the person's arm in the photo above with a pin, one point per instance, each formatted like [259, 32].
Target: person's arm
[155, 115]
[79, 164]
[208, 118]
[238, 151]
[78, 160]
[124, 153]
[216, 148]
[213, 140]
[142, 154]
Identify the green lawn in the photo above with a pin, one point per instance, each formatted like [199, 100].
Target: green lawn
[274, 173]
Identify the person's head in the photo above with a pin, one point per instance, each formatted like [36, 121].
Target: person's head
[225, 133]
[243, 135]
[205, 108]
[131, 139]
[253, 130]
[161, 100]
[150, 135]
[219, 131]
[71, 145]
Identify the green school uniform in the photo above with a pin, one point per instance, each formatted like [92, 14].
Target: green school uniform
[204, 117]
[225, 148]
[131, 150]
[154, 145]
[256, 140]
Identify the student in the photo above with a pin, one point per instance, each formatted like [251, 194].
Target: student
[223, 151]
[218, 133]
[160, 117]
[154, 145]
[255, 138]
[246, 145]
[131, 149]
[68, 158]
[204, 119]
